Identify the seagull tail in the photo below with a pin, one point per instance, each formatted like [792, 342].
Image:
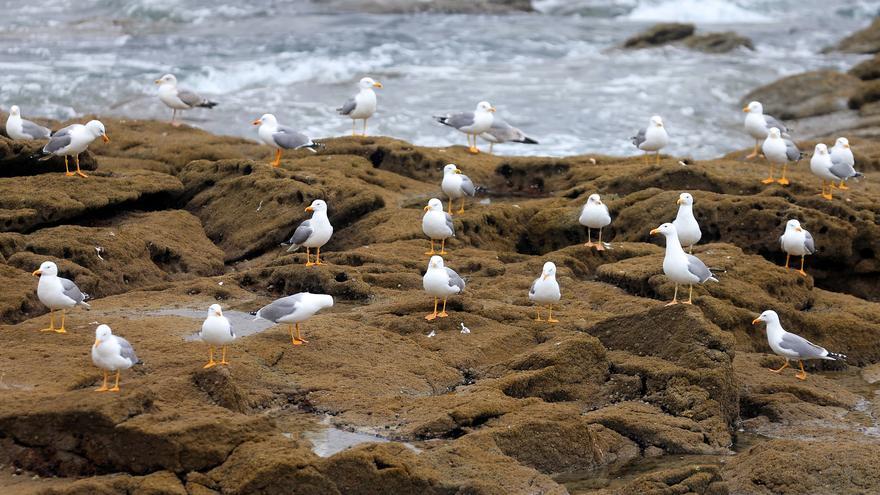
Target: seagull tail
[527, 140]
[208, 104]
[85, 305]
[713, 279]
[442, 119]
[293, 247]
[837, 357]
[314, 147]
[40, 155]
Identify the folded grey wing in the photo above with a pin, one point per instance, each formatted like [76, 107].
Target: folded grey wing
[449, 223]
[791, 151]
[63, 131]
[459, 120]
[772, 121]
[279, 308]
[126, 350]
[532, 288]
[455, 280]
[348, 107]
[840, 168]
[72, 291]
[34, 131]
[57, 142]
[803, 347]
[808, 242]
[639, 138]
[697, 268]
[289, 139]
[190, 98]
[467, 186]
[300, 235]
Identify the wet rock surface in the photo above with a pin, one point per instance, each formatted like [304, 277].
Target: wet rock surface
[665, 33]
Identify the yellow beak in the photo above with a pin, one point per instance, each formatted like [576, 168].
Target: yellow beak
[678, 201]
[846, 145]
[309, 208]
[37, 273]
[158, 81]
[427, 208]
[257, 122]
[105, 138]
[457, 171]
[756, 321]
[377, 84]
[746, 109]
[798, 229]
[97, 342]
[492, 109]
[545, 277]
[217, 313]
[655, 231]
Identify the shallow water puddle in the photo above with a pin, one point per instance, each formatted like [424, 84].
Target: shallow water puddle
[331, 440]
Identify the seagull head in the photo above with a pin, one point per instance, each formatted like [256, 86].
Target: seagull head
[434, 204]
[774, 133]
[549, 270]
[368, 82]
[14, 111]
[793, 225]
[656, 121]
[102, 333]
[685, 199]
[317, 205]
[167, 79]
[267, 119]
[768, 316]
[484, 106]
[215, 310]
[451, 169]
[754, 107]
[435, 262]
[97, 130]
[841, 141]
[47, 268]
[666, 229]
[322, 300]
[821, 149]
[594, 199]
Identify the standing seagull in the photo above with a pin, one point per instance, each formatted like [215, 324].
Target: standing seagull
[680, 267]
[282, 137]
[456, 185]
[361, 106]
[652, 138]
[111, 353]
[791, 346]
[440, 281]
[471, 123]
[312, 233]
[545, 290]
[758, 125]
[437, 224]
[73, 140]
[179, 99]
[294, 310]
[24, 130]
[502, 132]
[595, 215]
[685, 224]
[57, 293]
[779, 149]
[216, 331]
[796, 242]
[844, 162]
[821, 165]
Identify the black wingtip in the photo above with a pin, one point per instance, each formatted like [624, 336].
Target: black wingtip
[209, 104]
[527, 140]
[836, 356]
[440, 119]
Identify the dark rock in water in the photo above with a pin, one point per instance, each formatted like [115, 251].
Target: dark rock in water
[865, 41]
[660, 34]
[867, 70]
[807, 94]
[718, 42]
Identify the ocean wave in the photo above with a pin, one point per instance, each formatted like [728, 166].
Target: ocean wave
[698, 11]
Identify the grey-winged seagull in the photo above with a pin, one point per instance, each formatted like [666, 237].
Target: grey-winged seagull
[796, 241]
[22, 129]
[545, 290]
[361, 106]
[180, 99]
[791, 346]
[782, 150]
[294, 310]
[470, 123]
[502, 132]
[312, 233]
[73, 140]
[758, 125]
[216, 331]
[282, 137]
[456, 185]
[651, 138]
[440, 281]
[57, 294]
[437, 224]
[681, 267]
[111, 353]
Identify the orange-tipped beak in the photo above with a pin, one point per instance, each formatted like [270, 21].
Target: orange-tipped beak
[492, 109]
[655, 231]
[309, 208]
[377, 84]
[746, 109]
[798, 229]
[37, 273]
[257, 122]
[97, 342]
[756, 321]
[217, 313]
[105, 138]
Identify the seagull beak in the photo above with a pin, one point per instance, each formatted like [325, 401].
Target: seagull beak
[105, 138]
[798, 229]
[457, 171]
[678, 202]
[655, 231]
[158, 81]
[746, 109]
[218, 313]
[756, 321]
[846, 145]
[377, 84]
[97, 342]
[37, 273]
[257, 122]
[492, 109]
[545, 277]
[427, 208]
[309, 208]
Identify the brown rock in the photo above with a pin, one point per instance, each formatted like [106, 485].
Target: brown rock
[867, 70]
[718, 42]
[660, 34]
[865, 41]
[807, 94]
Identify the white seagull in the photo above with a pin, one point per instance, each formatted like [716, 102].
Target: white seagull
[438, 282]
[179, 99]
[545, 290]
[57, 293]
[73, 140]
[111, 353]
[312, 233]
[796, 242]
[294, 310]
[791, 346]
[502, 132]
[282, 137]
[820, 165]
[471, 123]
[216, 331]
[652, 138]
[758, 125]
[24, 130]
[437, 224]
[680, 267]
[844, 162]
[595, 215]
[779, 149]
[456, 185]
[685, 224]
[361, 106]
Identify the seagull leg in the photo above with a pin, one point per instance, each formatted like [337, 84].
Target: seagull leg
[61, 328]
[690, 295]
[353, 127]
[461, 210]
[691, 249]
[674, 297]
[434, 314]
[490, 147]
[599, 245]
[290, 331]
[658, 157]
[833, 185]
[589, 239]
[116, 386]
[550, 318]
[787, 257]
[538, 311]
[78, 171]
[308, 257]
[277, 162]
[223, 360]
[827, 195]
[67, 171]
[104, 385]
[51, 322]
[299, 340]
[318, 257]
[431, 252]
[769, 179]
[782, 180]
[803, 374]
[443, 313]
[754, 153]
[211, 363]
[801, 271]
[450, 206]
[782, 368]
[442, 246]
[365, 127]
[474, 148]
[843, 186]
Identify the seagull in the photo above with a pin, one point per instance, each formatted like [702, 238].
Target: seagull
[179, 99]
[779, 149]
[652, 138]
[791, 346]
[502, 132]
[294, 310]
[312, 233]
[57, 293]
[361, 106]
[685, 224]
[111, 353]
[73, 140]
[758, 124]
[216, 331]
[844, 162]
[282, 137]
[440, 281]
[594, 215]
[24, 130]
[437, 224]
[456, 185]
[471, 123]
[796, 242]
[680, 267]
[545, 290]
[820, 165]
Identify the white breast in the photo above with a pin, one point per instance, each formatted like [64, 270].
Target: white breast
[434, 225]
[168, 95]
[594, 216]
[51, 293]
[321, 231]
[821, 165]
[265, 132]
[14, 128]
[451, 186]
[687, 227]
[216, 330]
[774, 150]
[793, 243]
[365, 104]
[756, 126]
[675, 267]
[482, 123]
[106, 356]
[655, 139]
[546, 291]
[436, 283]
